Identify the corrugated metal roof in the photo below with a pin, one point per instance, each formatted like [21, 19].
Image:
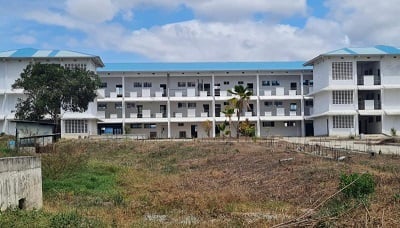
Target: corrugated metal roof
[203, 66]
[376, 50]
[36, 53]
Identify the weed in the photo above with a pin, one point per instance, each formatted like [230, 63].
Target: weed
[73, 219]
[358, 185]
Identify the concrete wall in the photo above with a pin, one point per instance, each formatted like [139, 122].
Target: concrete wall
[20, 180]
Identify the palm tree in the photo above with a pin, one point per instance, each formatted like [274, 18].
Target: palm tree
[241, 100]
[229, 111]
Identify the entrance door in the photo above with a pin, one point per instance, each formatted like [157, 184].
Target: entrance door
[217, 110]
[251, 109]
[163, 110]
[309, 129]
[250, 86]
[164, 89]
[206, 108]
[207, 87]
[139, 111]
[193, 131]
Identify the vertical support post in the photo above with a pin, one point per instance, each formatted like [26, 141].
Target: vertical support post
[123, 105]
[213, 105]
[302, 105]
[168, 107]
[258, 134]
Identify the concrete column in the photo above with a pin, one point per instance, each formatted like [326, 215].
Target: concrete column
[302, 105]
[258, 133]
[123, 105]
[168, 107]
[213, 105]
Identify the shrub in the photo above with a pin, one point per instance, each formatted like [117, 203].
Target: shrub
[362, 185]
[73, 219]
[393, 131]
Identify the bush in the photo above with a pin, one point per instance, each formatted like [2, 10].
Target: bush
[73, 219]
[363, 185]
[393, 131]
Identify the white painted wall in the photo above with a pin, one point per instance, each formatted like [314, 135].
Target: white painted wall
[281, 130]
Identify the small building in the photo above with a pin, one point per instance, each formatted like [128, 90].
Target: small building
[33, 132]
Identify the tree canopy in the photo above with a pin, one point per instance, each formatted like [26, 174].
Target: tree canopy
[48, 88]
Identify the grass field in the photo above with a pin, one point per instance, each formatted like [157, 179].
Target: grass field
[206, 184]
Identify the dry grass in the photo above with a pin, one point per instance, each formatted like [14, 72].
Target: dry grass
[212, 184]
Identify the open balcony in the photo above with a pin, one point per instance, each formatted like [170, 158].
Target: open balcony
[368, 80]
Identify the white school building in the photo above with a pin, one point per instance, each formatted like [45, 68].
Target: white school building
[350, 91]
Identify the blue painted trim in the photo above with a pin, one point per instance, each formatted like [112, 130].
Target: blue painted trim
[53, 53]
[25, 52]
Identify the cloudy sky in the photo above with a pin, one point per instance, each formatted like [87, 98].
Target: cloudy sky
[198, 30]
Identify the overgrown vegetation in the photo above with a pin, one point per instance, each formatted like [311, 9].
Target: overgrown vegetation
[228, 184]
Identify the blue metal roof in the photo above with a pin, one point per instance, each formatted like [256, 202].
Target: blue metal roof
[37, 53]
[203, 66]
[375, 50]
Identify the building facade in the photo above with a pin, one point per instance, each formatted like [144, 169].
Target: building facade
[350, 91]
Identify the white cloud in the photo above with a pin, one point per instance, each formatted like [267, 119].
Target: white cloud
[95, 11]
[234, 10]
[367, 22]
[216, 41]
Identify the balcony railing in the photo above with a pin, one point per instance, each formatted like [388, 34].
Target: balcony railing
[368, 80]
[280, 91]
[369, 105]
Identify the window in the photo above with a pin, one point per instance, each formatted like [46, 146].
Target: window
[76, 126]
[72, 66]
[226, 82]
[137, 85]
[136, 125]
[181, 124]
[240, 82]
[103, 85]
[181, 84]
[191, 84]
[191, 105]
[275, 83]
[306, 82]
[343, 122]
[293, 86]
[182, 134]
[342, 71]
[226, 103]
[147, 84]
[269, 124]
[378, 119]
[278, 103]
[268, 103]
[181, 105]
[130, 105]
[290, 124]
[101, 106]
[342, 97]
[293, 107]
[265, 83]
[118, 105]
[150, 125]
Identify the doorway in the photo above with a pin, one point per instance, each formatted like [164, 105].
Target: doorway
[163, 89]
[193, 131]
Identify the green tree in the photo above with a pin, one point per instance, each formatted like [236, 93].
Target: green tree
[48, 88]
[239, 102]
[229, 111]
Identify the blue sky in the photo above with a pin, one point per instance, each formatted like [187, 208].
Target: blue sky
[198, 30]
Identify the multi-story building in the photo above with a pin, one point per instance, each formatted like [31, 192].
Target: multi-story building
[12, 64]
[356, 91]
[346, 92]
[172, 100]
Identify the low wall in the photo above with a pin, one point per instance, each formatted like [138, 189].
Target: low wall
[20, 183]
